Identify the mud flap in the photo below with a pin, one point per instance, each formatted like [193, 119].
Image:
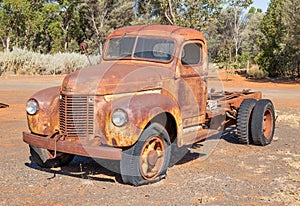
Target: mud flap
[43, 154]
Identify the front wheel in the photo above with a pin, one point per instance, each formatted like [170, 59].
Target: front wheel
[147, 161]
[43, 157]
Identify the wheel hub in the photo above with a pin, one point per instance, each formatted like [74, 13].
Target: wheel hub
[267, 124]
[152, 158]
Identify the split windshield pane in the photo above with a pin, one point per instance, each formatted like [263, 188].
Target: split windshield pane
[120, 47]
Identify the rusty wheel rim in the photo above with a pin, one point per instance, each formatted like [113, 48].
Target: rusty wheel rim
[268, 124]
[152, 158]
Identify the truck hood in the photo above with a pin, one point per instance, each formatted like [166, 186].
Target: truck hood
[115, 78]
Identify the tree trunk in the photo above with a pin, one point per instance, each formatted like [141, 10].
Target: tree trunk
[230, 54]
[171, 19]
[100, 48]
[7, 44]
[298, 69]
[66, 37]
[3, 43]
[97, 30]
[66, 46]
[248, 66]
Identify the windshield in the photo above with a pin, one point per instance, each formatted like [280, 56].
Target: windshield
[146, 48]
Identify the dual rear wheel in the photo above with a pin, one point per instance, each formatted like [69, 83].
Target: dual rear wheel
[256, 122]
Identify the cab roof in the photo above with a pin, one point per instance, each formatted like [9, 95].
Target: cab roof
[159, 30]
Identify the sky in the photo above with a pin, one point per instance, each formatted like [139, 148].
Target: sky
[263, 4]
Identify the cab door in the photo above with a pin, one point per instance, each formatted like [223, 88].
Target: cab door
[192, 92]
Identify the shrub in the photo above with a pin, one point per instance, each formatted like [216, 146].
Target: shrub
[20, 61]
[257, 73]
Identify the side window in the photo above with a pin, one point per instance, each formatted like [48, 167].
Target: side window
[191, 54]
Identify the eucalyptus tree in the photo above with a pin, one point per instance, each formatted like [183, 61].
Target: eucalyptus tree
[99, 17]
[291, 19]
[195, 14]
[252, 35]
[237, 9]
[274, 30]
[13, 15]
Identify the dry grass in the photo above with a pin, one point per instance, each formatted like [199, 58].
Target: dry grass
[292, 120]
[20, 62]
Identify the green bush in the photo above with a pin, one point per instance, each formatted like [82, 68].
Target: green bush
[257, 73]
[20, 62]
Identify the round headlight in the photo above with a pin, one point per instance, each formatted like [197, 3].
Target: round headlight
[32, 107]
[119, 117]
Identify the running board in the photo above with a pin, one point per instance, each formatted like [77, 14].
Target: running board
[191, 136]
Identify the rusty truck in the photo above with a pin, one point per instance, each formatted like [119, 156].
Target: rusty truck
[149, 92]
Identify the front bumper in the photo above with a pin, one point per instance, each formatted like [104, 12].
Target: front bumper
[51, 142]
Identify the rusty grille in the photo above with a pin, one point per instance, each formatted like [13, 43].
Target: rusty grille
[77, 116]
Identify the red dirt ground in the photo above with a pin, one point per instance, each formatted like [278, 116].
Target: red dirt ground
[232, 174]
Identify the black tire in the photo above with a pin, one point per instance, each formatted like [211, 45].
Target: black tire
[139, 163]
[244, 121]
[263, 122]
[43, 159]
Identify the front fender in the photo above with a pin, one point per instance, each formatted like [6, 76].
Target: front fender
[46, 120]
[141, 109]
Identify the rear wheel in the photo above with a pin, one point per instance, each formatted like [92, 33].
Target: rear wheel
[263, 122]
[244, 121]
[43, 157]
[147, 161]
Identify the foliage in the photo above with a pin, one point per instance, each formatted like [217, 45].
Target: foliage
[280, 50]
[242, 60]
[257, 73]
[236, 9]
[195, 14]
[273, 30]
[227, 36]
[100, 17]
[234, 36]
[252, 35]
[291, 19]
[60, 26]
